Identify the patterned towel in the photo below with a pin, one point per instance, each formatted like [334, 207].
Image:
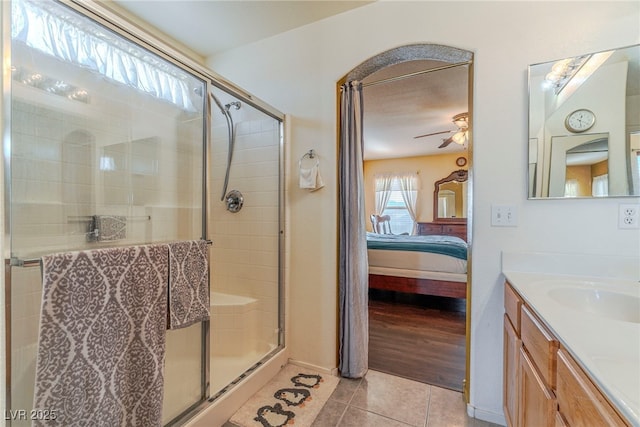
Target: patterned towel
[101, 345]
[110, 227]
[188, 283]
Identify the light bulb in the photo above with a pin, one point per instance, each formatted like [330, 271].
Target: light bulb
[459, 137]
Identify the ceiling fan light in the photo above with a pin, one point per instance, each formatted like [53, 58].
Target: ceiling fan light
[462, 123]
[459, 137]
[461, 120]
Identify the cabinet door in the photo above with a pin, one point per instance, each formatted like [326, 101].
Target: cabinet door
[537, 405]
[579, 400]
[560, 422]
[510, 387]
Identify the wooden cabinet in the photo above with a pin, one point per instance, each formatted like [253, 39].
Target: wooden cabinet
[443, 229]
[579, 401]
[542, 384]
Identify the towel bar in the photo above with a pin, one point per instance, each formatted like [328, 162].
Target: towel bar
[87, 218]
[35, 262]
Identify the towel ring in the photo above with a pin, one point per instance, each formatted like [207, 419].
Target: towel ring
[311, 154]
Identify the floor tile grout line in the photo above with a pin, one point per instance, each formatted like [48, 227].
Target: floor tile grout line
[429, 388]
[344, 411]
[426, 420]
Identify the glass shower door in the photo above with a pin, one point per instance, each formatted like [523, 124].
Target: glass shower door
[101, 130]
[245, 262]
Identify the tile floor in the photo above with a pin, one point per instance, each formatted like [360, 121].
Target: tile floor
[383, 400]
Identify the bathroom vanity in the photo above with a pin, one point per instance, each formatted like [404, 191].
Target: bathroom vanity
[571, 350]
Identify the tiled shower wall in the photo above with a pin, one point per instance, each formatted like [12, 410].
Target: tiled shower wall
[68, 167]
[245, 244]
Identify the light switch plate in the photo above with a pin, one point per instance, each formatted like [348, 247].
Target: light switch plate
[504, 216]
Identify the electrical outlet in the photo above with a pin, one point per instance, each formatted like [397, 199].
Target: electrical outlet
[628, 216]
[504, 216]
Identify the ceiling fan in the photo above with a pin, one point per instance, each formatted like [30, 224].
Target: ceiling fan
[459, 137]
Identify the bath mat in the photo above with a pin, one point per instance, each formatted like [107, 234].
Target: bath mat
[294, 396]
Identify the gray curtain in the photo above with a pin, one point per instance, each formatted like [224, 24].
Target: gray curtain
[354, 264]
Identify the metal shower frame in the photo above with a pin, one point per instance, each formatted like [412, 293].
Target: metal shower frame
[143, 38]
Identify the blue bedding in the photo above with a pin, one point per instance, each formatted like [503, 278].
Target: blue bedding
[444, 245]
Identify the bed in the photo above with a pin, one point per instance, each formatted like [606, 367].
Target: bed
[426, 265]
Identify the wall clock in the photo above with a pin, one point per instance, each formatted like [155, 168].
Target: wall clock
[580, 120]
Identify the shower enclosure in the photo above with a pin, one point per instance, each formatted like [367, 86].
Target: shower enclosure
[99, 128]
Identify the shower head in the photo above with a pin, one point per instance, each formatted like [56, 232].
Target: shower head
[234, 104]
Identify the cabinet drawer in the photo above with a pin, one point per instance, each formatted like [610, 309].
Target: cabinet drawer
[512, 304]
[540, 344]
[427, 228]
[579, 402]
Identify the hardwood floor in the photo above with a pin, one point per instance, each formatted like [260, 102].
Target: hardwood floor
[421, 338]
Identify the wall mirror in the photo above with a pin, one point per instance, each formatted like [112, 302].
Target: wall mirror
[584, 126]
[450, 198]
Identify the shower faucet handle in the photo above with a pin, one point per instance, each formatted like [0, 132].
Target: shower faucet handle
[234, 200]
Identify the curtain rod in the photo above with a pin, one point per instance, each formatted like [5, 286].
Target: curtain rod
[417, 73]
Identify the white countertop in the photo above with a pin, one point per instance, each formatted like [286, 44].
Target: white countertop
[607, 348]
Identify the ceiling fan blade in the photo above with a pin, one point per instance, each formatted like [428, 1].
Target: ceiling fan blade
[431, 134]
[446, 142]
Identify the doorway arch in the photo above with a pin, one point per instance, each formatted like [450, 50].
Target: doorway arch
[450, 56]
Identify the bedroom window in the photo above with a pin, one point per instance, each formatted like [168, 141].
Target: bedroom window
[396, 196]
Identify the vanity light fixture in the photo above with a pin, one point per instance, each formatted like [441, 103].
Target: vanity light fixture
[49, 84]
[563, 70]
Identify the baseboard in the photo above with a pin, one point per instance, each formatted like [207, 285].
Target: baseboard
[481, 414]
[329, 371]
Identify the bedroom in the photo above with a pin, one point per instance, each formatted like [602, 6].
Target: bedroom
[415, 178]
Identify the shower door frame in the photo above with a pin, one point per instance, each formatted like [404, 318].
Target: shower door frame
[135, 33]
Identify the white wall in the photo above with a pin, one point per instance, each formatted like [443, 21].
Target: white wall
[297, 71]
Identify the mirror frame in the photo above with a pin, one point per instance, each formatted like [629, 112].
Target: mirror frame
[461, 175]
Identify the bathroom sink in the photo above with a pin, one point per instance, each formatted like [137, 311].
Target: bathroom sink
[604, 303]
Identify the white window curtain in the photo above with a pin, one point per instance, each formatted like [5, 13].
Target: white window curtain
[600, 186]
[47, 30]
[383, 191]
[571, 188]
[409, 186]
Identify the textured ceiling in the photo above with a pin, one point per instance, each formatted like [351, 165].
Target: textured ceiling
[396, 112]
